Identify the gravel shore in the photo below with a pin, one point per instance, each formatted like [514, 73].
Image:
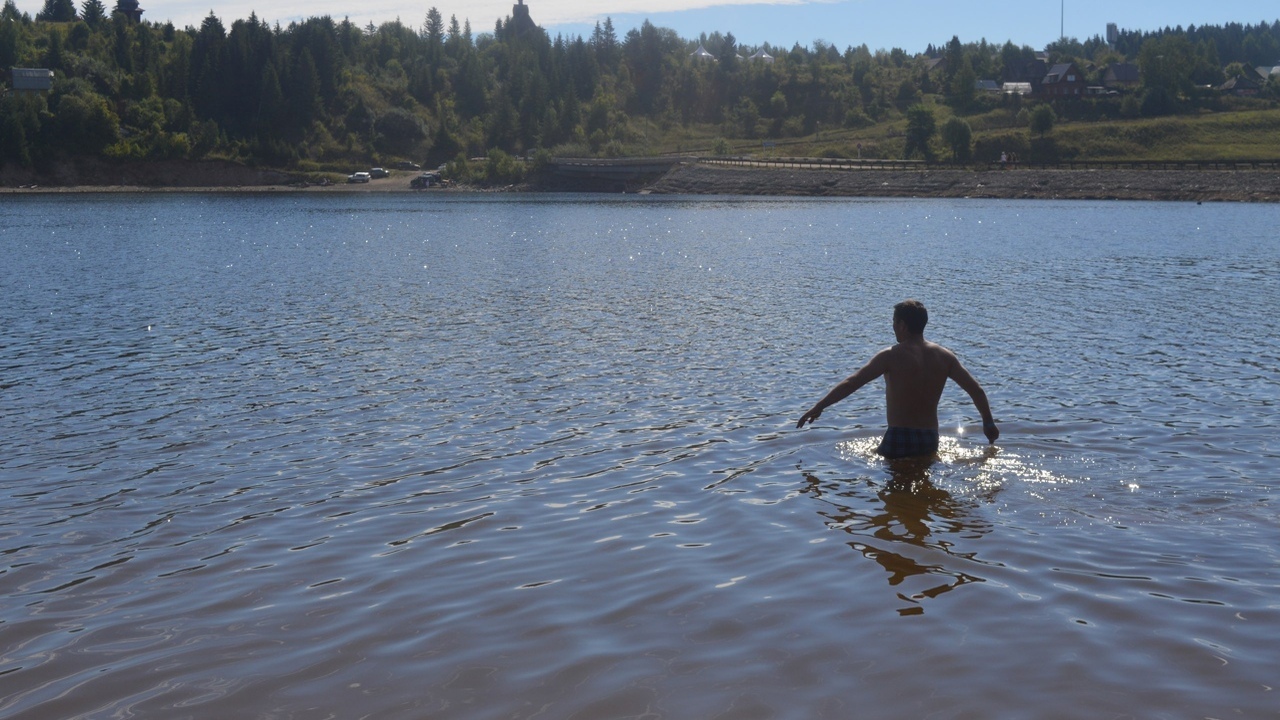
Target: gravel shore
[705, 179]
[1108, 184]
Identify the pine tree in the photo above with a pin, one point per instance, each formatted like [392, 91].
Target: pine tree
[433, 28]
[93, 12]
[57, 11]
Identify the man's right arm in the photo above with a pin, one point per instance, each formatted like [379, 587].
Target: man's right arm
[872, 370]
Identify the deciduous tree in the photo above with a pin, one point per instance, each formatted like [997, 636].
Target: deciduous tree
[921, 127]
[1042, 120]
[958, 136]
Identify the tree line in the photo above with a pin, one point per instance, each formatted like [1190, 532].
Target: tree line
[322, 92]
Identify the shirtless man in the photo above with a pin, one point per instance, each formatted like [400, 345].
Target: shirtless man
[915, 371]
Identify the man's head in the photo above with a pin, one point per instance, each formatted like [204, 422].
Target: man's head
[912, 315]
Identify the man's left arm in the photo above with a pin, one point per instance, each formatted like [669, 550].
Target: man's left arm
[967, 383]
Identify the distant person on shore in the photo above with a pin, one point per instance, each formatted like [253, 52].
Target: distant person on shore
[915, 371]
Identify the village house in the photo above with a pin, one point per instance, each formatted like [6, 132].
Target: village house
[1024, 77]
[1266, 72]
[1122, 76]
[1063, 80]
[1241, 86]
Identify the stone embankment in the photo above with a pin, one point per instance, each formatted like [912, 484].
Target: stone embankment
[1014, 183]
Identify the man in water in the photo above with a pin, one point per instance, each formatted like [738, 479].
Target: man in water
[915, 371]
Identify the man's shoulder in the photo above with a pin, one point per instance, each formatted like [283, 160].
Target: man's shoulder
[948, 356]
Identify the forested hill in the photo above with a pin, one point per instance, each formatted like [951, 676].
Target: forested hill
[326, 94]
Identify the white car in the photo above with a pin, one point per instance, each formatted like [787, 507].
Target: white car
[360, 177]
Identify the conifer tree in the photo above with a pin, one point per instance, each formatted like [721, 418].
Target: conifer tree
[93, 12]
[57, 11]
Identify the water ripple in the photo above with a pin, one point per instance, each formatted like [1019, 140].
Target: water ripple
[495, 457]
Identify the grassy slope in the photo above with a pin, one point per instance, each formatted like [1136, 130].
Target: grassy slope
[1252, 135]
[1245, 134]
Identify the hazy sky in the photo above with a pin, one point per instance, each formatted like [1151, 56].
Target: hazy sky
[908, 24]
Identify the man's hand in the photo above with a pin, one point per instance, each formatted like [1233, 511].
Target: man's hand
[814, 413]
[990, 430]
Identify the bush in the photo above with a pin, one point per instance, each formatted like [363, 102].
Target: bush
[987, 149]
[1044, 150]
[502, 169]
[921, 127]
[540, 159]
[958, 136]
[459, 170]
[124, 150]
[167, 146]
[398, 132]
[1042, 120]
[857, 119]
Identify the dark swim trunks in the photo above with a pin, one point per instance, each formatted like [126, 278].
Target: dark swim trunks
[902, 442]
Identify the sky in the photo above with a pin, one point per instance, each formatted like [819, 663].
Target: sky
[880, 24]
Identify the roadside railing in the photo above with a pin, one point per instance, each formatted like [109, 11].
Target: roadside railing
[811, 163]
[1141, 165]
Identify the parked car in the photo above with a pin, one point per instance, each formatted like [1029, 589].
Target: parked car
[406, 165]
[425, 180]
[359, 177]
[378, 173]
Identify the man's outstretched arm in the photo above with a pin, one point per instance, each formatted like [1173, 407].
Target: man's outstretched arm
[979, 397]
[847, 387]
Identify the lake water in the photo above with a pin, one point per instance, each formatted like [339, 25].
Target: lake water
[450, 456]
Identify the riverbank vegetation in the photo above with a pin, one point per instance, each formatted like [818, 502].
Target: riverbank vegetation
[325, 95]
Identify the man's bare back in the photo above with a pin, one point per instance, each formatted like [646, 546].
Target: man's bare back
[915, 372]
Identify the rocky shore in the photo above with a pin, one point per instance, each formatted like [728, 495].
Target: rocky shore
[702, 179]
[93, 173]
[1106, 184]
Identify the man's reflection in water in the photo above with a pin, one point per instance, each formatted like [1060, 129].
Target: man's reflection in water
[907, 510]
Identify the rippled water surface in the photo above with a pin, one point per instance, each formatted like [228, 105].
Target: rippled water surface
[504, 457]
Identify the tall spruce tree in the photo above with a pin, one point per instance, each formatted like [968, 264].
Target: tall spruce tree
[93, 12]
[57, 11]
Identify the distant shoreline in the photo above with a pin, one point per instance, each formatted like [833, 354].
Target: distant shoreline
[1018, 183]
[702, 179]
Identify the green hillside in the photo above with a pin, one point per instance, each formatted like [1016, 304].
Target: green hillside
[323, 95]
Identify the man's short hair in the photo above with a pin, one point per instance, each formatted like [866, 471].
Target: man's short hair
[912, 314]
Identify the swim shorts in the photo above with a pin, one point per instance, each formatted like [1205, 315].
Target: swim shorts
[902, 442]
